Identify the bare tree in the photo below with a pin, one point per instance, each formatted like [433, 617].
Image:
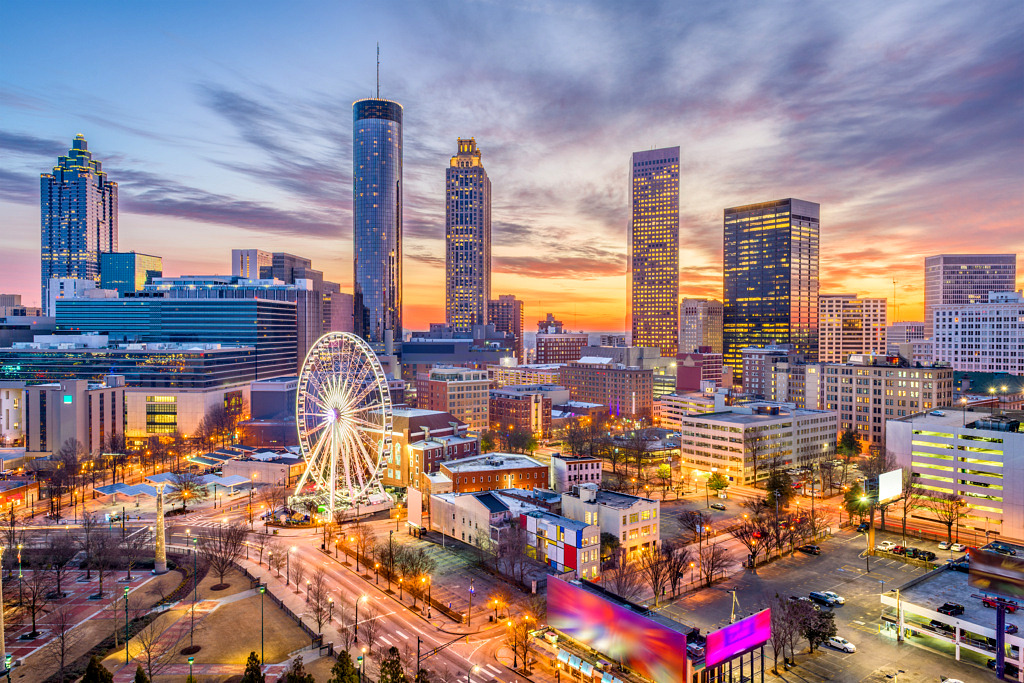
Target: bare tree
[695, 522]
[274, 496]
[104, 555]
[365, 541]
[623, 578]
[387, 554]
[911, 499]
[134, 546]
[346, 630]
[63, 638]
[678, 560]
[260, 543]
[749, 532]
[370, 625]
[713, 560]
[653, 566]
[948, 508]
[319, 605]
[90, 529]
[59, 553]
[149, 648]
[276, 556]
[298, 572]
[10, 531]
[34, 595]
[222, 547]
[187, 487]
[511, 550]
[754, 447]
[781, 626]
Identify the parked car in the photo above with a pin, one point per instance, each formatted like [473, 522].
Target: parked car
[957, 547]
[1009, 669]
[910, 552]
[1001, 548]
[959, 566]
[887, 546]
[944, 545]
[821, 598]
[899, 550]
[836, 598]
[841, 643]
[1011, 606]
[927, 555]
[1010, 628]
[951, 608]
[717, 506]
[810, 549]
[937, 625]
[863, 526]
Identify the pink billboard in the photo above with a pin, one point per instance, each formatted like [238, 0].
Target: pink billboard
[642, 644]
[735, 638]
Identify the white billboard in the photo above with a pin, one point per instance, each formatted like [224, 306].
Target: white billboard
[890, 486]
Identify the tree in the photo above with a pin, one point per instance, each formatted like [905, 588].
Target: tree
[779, 487]
[319, 599]
[276, 556]
[664, 475]
[653, 566]
[34, 595]
[96, 673]
[391, 668]
[487, 441]
[104, 555]
[261, 542]
[713, 559]
[273, 496]
[911, 499]
[298, 568]
[63, 638]
[253, 672]
[623, 578]
[609, 545]
[222, 547]
[187, 487]
[948, 509]
[817, 627]
[9, 531]
[852, 501]
[387, 555]
[140, 675]
[718, 482]
[59, 553]
[695, 522]
[365, 542]
[847, 449]
[89, 530]
[636, 445]
[134, 546]
[754, 444]
[344, 669]
[297, 673]
[511, 550]
[750, 534]
[678, 560]
[781, 625]
[153, 654]
[370, 625]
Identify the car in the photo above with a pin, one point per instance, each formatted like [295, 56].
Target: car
[957, 547]
[1008, 668]
[944, 545]
[863, 526]
[810, 549]
[1010, 628]
[951, 609]
[887, 546]
[840, 643]
[927, 555]
[899, 550]
[820, 598]
[1010, 605]
[910, 552]
[1001, 548]
[937, 625]
[717, 506]
[959, 566]
[836, 598]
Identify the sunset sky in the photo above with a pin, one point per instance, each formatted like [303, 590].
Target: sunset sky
[229, 125]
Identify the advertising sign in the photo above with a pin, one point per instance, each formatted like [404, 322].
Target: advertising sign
[754, 631]
[995, 573]
[642, 644]
[890, 485]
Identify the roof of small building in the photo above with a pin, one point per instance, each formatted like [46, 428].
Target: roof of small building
[492, 461]
[559, 520]
[614, 499]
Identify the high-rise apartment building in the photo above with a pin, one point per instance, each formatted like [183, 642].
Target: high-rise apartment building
[771, 278]
[247, 263]
[982, 337]
[700, 324]
[653, 263]
[377, 220]
[463, 392]
[628, 391]
[129, 272]
[467, 238]
[506, 314]
[557, 346]
[758, 367]
[965, 279]
[78, 216]
[849, 324]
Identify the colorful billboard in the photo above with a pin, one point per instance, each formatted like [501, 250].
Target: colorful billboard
[744, 635]
[642, 644]
[995, 573]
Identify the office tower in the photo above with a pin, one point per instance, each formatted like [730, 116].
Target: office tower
[627, 391]
[771, 278]
[129, 272]
[965, 279]
[700, 324]
[694, 369]
[377, 220]
[653, 263]
[247, 263]
[556, 346]
[613, 340]
[982, 337]
[78, 208]
[462, 392]
[468, 239]
[758, 366]
[905, 332]
[506, 314]
[849, 324]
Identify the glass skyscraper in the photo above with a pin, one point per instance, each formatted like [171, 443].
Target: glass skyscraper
[78, 217]
[771, 278]
[468, 239]
[128, 271]
[653, 263]
[377, 219]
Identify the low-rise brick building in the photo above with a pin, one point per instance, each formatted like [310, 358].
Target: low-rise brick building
[493, 471]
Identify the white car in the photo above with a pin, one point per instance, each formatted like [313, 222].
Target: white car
[843, 644]
[944, 545]
[836, 598]
[958, 547]
[887, 546]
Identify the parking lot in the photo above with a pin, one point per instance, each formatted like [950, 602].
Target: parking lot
[840, 568]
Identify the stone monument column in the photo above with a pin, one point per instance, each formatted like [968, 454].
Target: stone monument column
[160, 565]
[3, 648]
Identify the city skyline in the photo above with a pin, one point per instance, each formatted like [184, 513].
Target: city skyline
[260, 157]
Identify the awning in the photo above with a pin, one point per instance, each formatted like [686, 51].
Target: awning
[586, 668]
[574, 661]
[606, 677]
[125, 490]
[563, 656]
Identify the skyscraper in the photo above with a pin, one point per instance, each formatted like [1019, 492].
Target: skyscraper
[965, 279]
[128, 271]
[468, 239]
[78, 208]
[377, 219]
[771, 278]
[653, 263]
[849, 324]
[248, 262]
[700, 324]
[506, 314]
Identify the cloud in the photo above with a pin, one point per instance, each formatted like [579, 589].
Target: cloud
[30, 145]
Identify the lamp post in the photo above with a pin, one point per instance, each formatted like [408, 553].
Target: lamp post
[126, 624]
[992, 394]
[867, 539]
[469, 615]
[191, 661]
[330, 609]
[400, 583]
[469, 674]
[376, 576]
[195, 592]
[427, 580]
[307, 590]
[263, 590]
[361, 598]
[288, 567]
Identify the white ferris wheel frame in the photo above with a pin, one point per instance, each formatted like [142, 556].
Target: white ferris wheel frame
[350, 451]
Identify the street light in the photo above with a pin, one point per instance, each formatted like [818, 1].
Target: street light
[330, 609]
[469, 674]
[307, 590]
[263, 590]
[361, 598]
[400, 593]
[376, 576]
[191, 661]
[469, 617]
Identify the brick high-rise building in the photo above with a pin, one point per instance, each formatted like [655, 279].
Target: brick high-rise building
[506, 314]
[521, 407]
[627, 391]
[556, 346]
[463, 392]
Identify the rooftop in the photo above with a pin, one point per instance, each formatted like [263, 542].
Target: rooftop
[956, 417]
[614, 499]
[559, 520]
[491, 461]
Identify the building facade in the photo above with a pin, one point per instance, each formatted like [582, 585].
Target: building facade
[628, 391]
[73, 409]
[247, 263]
[670, 409]
[129, 271]
[694, 371]
[506, 314]
[563, 544]
[503, 375]
[492, 471]
[758, 364]
[377, 220]
[899, 333]
[868, 391]
[733, 442]
[850, 324]
[463, 392]
[406, 463]
[631, 519]
[467, 238]
[771, 278]
[78, 216]
[965, 279]
[700, 324]
[983, 337]
[524, 407]
[653, 260]
[568, 471]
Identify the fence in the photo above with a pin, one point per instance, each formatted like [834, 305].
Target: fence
[316, 639]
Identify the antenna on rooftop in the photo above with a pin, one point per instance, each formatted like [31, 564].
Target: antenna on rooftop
[895, 306]
[378, 70]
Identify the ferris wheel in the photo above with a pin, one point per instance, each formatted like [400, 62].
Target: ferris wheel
[344, 417]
